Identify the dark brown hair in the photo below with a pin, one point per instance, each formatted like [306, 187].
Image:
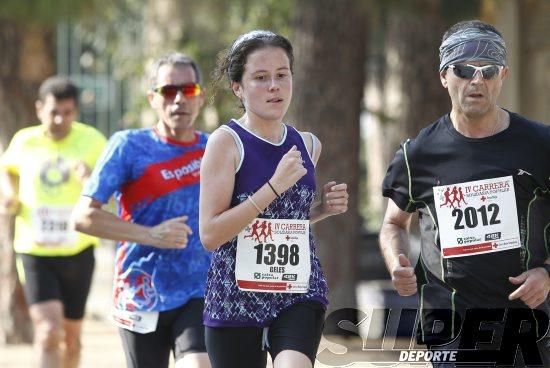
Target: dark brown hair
[60, 87]
[231, 62]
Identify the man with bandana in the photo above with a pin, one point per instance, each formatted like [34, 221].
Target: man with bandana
[485, 254]
[41, 175]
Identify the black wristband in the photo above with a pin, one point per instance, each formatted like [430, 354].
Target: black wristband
[273, 189]
[546, 266]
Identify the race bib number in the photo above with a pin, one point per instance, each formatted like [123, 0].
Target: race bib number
[477, 217]
[140, 322]
[51, 226]
[273, 256]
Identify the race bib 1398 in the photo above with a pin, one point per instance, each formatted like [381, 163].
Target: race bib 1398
[273, 256]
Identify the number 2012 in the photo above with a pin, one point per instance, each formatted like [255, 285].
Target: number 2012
[470, 216]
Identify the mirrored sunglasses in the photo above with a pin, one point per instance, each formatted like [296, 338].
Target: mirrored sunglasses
[170, 91]
[468, 71]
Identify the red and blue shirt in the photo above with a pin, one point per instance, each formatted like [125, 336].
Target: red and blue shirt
[153, 179]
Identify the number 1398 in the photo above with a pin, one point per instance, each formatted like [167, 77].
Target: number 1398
[283, 254]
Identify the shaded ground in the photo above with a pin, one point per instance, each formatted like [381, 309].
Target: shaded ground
[102, 347]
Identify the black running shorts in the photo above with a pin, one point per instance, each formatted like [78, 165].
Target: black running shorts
[179, 330]
[297, 328]
[64, 278]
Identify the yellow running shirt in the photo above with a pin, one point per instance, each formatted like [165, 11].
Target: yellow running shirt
[49, 188]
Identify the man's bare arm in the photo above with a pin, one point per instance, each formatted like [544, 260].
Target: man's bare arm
[394, 244]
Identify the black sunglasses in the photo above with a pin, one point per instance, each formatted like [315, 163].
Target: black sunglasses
[467, 71]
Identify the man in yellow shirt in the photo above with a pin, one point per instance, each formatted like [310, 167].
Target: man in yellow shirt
[41, 177]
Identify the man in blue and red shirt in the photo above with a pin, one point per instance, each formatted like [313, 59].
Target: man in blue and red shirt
[161, 265]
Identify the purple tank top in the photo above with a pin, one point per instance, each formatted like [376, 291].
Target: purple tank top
[225, 304]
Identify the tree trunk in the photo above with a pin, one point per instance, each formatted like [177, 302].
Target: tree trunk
[330, 49]
[163, 25]
[27, 63]
[407, 95]
[415, 39]
[535, 59]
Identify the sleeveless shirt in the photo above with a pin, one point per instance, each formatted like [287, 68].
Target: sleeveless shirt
[225, 304]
